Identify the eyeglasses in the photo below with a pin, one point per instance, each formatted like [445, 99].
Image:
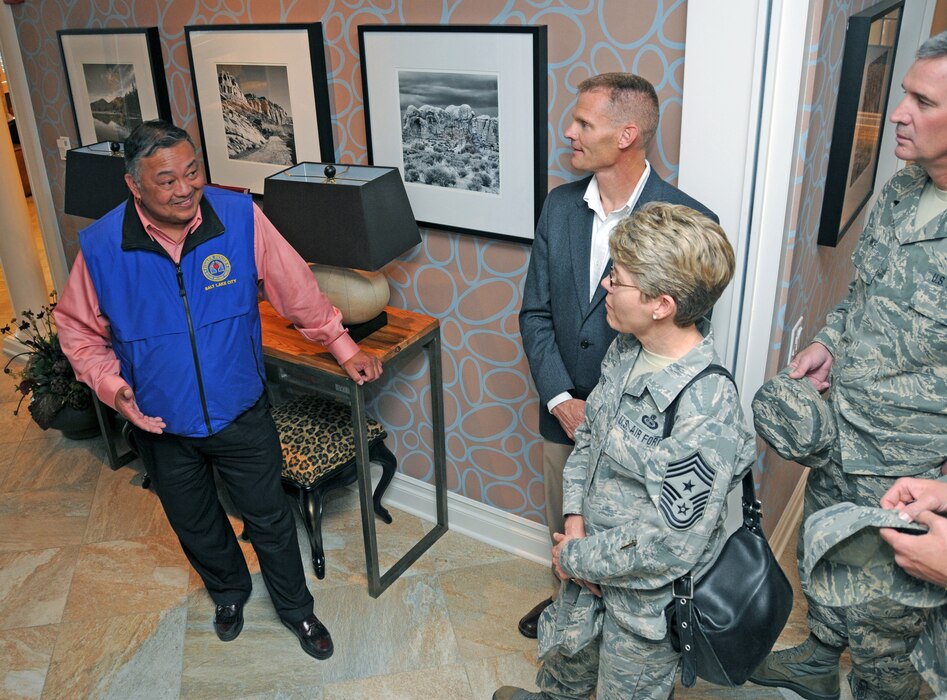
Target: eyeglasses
[614, 283]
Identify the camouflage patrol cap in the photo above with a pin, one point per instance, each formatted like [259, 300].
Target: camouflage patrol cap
[793, 419]
[846, 562]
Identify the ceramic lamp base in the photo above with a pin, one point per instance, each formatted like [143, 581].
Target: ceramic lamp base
[359, 295]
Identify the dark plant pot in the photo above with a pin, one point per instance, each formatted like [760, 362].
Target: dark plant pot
[76, 425]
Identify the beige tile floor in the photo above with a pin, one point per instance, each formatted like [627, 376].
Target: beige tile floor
[97, 600]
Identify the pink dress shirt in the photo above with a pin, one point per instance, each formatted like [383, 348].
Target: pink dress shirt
[284, 280]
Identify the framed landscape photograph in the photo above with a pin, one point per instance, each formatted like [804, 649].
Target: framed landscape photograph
[871, 42]
[461, 112]
[115, 79]
[262, 99]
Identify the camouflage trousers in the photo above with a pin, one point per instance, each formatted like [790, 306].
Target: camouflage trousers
[880, 634]
[619, 665]
[930, 654]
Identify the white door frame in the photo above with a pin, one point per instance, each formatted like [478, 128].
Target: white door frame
[741, 101]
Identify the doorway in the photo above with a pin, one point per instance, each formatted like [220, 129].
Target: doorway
[19, 182]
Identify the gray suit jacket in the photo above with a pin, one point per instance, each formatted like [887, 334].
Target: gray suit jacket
[564, 335]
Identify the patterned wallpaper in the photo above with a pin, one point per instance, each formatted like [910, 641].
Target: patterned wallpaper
[813, 278]
[472, 284]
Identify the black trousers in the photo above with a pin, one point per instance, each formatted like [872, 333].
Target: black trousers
[247, 456]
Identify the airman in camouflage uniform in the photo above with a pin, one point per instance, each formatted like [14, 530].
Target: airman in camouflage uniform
[886, 348]
[651, 509]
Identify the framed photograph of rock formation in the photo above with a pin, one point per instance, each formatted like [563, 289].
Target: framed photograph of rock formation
[461, 112]
[262, 99]
[115, 79]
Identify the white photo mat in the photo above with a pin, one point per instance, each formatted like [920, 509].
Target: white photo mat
[109, 48]
[511, 57]
[287, 46]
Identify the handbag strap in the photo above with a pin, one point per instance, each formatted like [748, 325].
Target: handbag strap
[682, 589]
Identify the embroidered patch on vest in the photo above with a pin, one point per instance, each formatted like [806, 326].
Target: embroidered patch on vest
[216, 267]
[685, 491]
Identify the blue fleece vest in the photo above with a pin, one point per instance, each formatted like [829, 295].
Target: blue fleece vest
[187, 336]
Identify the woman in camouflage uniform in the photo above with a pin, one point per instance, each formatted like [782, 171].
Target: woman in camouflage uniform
[640, 510]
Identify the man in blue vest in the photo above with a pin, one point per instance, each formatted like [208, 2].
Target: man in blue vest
[160, 318]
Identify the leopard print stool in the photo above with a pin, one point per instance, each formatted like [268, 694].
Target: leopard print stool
[319, 455]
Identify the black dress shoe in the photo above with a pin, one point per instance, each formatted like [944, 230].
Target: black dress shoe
[228, 621]
[313, 636]
[530, 620]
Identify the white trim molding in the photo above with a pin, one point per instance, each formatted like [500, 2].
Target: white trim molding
[473, 519]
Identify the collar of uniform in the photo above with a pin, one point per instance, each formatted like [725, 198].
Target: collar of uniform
[909, 187]
[135, 237]
[665, 385]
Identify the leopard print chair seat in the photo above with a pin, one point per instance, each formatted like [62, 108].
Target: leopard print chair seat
[319, 455]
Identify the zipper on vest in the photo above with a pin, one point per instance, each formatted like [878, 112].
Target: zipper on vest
[190, 331]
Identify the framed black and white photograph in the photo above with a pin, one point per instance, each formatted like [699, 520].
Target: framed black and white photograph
[461, 112]
[871, 42]
[115, 79]
[262, 99]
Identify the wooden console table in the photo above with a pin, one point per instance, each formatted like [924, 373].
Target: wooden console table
[292, 359]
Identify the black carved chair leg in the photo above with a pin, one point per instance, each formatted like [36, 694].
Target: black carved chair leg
[311, 503]
[379, 452]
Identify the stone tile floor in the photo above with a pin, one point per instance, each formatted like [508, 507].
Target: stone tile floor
[97, 600]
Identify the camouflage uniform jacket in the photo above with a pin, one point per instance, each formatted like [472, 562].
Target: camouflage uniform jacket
[889, 340]
[654, 508]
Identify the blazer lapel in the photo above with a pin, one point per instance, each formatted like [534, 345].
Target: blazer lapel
[580, 239]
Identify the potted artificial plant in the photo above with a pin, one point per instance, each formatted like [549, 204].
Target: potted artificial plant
[57, 399]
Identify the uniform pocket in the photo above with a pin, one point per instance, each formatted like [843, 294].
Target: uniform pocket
[929, 301]
[869, 259]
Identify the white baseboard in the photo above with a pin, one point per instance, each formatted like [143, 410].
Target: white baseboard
[785, 530]
[473, 519]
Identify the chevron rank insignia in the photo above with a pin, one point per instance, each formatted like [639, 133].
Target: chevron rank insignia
[685, 491]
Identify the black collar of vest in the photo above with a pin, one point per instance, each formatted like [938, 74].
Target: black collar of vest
[134, 236]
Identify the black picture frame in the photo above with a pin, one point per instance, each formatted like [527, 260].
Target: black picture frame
[871, 44]
[104, 67]
[456, 177]
[277, 99]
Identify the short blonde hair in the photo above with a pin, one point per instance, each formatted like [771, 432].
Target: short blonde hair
[672, 249]
[631, 98]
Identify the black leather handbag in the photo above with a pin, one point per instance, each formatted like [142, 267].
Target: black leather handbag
[725, 623]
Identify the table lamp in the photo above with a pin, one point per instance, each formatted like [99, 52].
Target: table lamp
[339, 217]
[95, 179]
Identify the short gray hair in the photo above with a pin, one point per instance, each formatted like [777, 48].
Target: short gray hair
[935, 47]
[148, 137]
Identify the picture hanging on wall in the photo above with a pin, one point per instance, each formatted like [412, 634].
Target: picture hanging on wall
[871, 42]
[461, 112]
[262, 99]
[115, 79]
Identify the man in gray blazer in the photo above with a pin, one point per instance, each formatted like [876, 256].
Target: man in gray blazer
[562, 319]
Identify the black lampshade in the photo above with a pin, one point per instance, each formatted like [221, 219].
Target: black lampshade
[360, 218]
[95, 180]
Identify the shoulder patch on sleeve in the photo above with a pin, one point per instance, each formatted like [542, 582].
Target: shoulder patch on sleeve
[685, 490]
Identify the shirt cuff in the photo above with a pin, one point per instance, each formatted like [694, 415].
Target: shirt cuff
[558, 399]
[829, 337]
[343, 348]
[108, 388]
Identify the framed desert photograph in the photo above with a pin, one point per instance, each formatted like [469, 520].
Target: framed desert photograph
[871, 41]
[115, 79]
[461, 112]
[262, 99]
